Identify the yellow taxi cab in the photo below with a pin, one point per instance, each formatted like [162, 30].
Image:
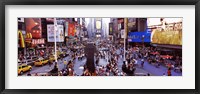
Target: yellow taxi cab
[58, 54]
[24, 68]
[40, 62]
[51, 58]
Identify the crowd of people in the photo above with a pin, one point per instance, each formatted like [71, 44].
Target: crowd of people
[153, 56]
[111, 54]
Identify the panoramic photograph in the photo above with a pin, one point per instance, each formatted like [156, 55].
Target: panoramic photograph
[99, 46]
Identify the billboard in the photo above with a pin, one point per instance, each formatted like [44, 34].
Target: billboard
[172, 37]
[59, 33]
[33, 26]
[139, 36]
[132, 24]
[71, 29]
[110, 28]
[98, 24]
[66, 28]
[166, 31]
[60, 29]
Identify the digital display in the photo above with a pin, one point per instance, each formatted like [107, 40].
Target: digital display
[139, 37]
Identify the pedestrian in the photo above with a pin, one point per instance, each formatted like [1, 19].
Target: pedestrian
[65, 64]
[49, 62]
[169, 72]
[28, 74]
[142, 63]
[36, 74]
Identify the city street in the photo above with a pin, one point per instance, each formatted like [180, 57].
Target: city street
[100, 47]
[78, 67]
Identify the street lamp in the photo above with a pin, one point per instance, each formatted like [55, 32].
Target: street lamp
[55, 29]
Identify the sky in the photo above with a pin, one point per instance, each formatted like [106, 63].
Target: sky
[106, 20]
[156, 21]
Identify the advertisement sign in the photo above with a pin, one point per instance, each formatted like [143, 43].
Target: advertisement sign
[50, 33]
[120, 23]
[66, 28]
[98, 24]
[71, 29]
[132, 24]
[139, 37]
[172, 37]
[110, 28]
[122, 33]
[77, 30]
[33, 26]
[38, 41]
[59, 33]
[166, 31]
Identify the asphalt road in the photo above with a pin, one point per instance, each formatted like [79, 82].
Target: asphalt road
[46, 68]
[78, 67]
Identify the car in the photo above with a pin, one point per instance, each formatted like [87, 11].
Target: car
[24, 68]
[52, 58]
[41, 62]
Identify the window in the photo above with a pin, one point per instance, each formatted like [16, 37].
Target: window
[23, 66]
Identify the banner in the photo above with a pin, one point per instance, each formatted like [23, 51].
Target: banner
[59, 33]
[33, 26]
[71, 30]
[139, 37]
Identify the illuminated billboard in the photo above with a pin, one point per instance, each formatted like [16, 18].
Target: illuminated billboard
[139, 37]
[110, 28]
[166, 30]
[33, 26]
[71, 29]
[98, 24]
[173, 37]
[59, 33]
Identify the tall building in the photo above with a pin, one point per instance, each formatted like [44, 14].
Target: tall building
[98, 27]
[115, 28]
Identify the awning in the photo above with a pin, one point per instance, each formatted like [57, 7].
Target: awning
[21, 39]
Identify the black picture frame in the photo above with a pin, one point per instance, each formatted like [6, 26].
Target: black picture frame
[3, 3]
